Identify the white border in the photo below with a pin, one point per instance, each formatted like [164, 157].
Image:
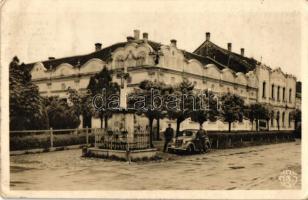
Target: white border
[158, 194]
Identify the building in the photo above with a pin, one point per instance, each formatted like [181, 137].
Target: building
[208, 67]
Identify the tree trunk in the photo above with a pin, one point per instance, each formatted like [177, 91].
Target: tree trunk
[106, 122]
[230, 126]
[101, 118]
[257, 125]
[151, 131]
[295, 124]
[177, 128]
[278, 125]
[251, 124]
[157, 131]
[268, 124]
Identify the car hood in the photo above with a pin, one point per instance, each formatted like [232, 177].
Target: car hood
[186, 138]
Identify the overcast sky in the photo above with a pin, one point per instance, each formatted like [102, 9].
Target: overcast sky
[36, 29]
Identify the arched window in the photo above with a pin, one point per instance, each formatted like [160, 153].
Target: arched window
[273, 92]
[283, 119]
[278, 93]
[290, 119]
[263, 89]
[283, 94]
[290, 95]
[119, 62]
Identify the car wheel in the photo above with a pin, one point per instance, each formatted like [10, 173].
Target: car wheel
[190, 149]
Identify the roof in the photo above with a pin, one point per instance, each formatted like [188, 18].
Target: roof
[105, 54]
[233, 60]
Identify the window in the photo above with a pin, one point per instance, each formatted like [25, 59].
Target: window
[272, 119]
[278, 93]
[141, 59]
[263, 89]
[228, 90]
[129, 79]
[283, 94]
[49, 85]
[283, 118]
[273, 91]
[63, 86]
[290, 95]
[290, 117]
[119, 62]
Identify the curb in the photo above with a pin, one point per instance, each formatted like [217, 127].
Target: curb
[41, 150]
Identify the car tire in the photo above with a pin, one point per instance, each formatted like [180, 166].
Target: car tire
[190, 149]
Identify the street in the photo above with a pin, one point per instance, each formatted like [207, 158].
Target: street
[256, 167]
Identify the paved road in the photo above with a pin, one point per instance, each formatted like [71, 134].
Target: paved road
[245, 168]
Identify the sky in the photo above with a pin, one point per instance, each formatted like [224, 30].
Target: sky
[270, 31]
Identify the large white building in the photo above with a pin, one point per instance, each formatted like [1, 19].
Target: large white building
[208, 67]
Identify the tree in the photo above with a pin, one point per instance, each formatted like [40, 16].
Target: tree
[182, 103]
[206, 108]
[27, 110]
[81, 102]
[142, 100]
[257, 111]
[101, 83]
[232, 107]
[296, 115]
[278, 119]
[60, 114]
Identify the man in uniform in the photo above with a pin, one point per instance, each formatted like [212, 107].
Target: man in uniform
[200, 136]
[168, 136]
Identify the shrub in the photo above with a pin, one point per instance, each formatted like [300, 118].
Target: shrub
[43, 141]
[238, 138]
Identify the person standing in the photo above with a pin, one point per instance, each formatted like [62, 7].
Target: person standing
[201, 135]
[168, 136]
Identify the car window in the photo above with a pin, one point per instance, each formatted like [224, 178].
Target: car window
[186, 133]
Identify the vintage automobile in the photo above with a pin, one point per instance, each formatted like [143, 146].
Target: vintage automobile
[187, 142]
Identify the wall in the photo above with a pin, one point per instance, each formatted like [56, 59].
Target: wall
[171, 69]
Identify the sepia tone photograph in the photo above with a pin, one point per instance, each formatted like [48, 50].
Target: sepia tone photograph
[152, 99]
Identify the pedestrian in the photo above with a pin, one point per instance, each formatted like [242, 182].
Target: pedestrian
[200, 136]
[168, 136]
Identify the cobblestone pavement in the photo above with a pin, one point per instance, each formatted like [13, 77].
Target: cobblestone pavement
[257, 167]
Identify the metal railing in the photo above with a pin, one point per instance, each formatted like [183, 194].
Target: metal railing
[114, 140]
[117, 140]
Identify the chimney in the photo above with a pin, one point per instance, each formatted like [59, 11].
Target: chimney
[129, 38]
[229, 46]
[242, 51]
[207, 36]
[136, 34]
[51, 58]
[98, 46]
[145, 36]
[173, 42]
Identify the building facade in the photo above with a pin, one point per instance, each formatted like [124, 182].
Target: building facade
[208, 67]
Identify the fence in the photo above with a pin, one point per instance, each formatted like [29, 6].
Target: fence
[117, 140]
[31, 139]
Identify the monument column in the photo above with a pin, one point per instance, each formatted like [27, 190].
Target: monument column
[128, 117]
